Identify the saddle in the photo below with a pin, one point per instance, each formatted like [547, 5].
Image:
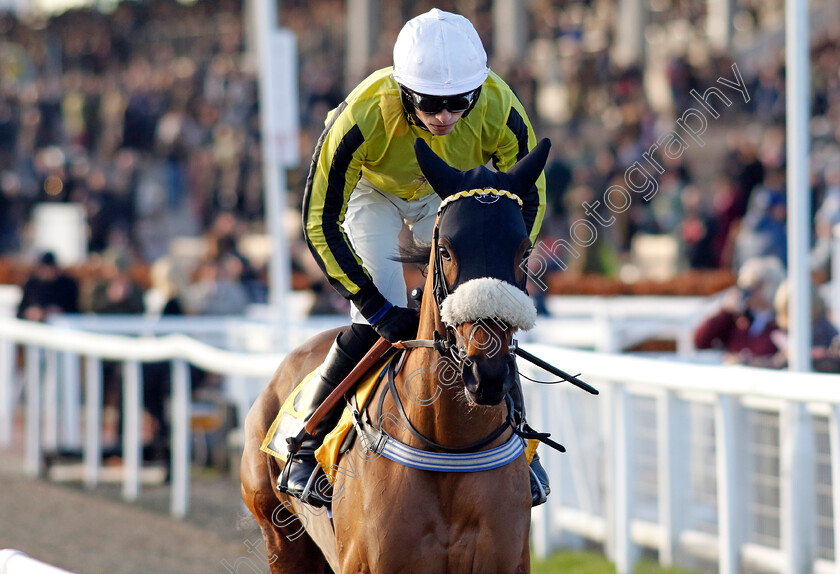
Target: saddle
[289, 420]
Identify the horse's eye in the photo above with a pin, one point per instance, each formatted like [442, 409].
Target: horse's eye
[527, 253]
[444, 254]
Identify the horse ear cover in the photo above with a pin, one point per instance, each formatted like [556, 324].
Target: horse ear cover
[446, 180]
[525, 173]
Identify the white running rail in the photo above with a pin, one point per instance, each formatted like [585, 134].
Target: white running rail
[17, 562]
[734, 467]
[44, 386]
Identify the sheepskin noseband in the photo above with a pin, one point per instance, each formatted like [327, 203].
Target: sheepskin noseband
[487, 298]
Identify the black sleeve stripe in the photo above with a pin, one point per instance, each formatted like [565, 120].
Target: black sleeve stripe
[517, 125]
[338, 243]
[307, 192]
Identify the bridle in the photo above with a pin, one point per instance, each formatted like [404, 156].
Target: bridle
[448, 342]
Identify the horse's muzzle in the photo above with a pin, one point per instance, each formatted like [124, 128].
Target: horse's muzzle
[488, 380]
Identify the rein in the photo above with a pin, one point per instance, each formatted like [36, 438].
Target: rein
[392, 389]
[467, 458]
[522, 429]
[450, 459]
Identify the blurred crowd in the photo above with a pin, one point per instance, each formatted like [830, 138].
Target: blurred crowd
[148, 117]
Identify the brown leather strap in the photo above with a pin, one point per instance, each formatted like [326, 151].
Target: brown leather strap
[379, 348]
[415, 343]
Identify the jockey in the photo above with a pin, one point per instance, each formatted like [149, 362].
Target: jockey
[365, 183]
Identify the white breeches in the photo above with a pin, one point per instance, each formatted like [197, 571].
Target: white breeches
[373, 223]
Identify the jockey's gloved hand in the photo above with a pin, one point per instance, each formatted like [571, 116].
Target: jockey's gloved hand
[397, 324]
[389, 321]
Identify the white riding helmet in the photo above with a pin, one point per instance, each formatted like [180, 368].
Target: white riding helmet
[439, 54]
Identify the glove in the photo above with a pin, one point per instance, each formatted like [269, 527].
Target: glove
[390, 322]
[398, 324]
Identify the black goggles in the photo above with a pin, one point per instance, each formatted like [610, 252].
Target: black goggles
[434, 104]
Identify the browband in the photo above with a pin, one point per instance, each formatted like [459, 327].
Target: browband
[479, 194]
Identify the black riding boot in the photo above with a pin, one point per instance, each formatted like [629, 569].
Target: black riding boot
[540, 488]
[299, 475]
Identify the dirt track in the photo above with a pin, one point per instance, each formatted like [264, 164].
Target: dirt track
[95, 532]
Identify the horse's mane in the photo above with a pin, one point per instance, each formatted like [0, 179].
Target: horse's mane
[414, 252]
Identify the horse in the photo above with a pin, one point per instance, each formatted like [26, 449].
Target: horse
[449, 394]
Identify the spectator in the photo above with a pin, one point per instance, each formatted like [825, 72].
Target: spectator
[743, 325]
[167, 291]
[763, 231]
[114, 293]
[117, 292]
[825, 344]
[48, 291]
[164, 298]
[697, 231]
[826, 218]
[218, 289]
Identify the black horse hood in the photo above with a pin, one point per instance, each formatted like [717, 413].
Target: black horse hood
[481, 223]
[487, 245]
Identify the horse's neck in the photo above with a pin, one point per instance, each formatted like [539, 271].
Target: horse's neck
[436, 405]
[434, 401]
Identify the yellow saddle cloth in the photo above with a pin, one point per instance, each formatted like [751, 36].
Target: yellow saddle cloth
[290, 421]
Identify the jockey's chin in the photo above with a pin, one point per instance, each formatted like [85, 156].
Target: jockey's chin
[441, 123]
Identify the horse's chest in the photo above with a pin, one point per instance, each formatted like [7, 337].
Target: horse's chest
[417, 522]
[418, 541]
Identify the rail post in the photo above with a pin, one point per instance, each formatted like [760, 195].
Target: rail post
[730, 430]
[70, 400]
[33, 411]
[50, 400]
[180, 438]
[7, 391]
[672, 460]
[834, 442]
[798, 509]
[626, 551]
[132, 429]
[93, 421]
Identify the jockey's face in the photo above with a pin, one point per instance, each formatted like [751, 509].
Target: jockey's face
[441, 123]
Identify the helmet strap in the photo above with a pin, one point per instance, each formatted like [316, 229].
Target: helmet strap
[472, 104]
[411, 114]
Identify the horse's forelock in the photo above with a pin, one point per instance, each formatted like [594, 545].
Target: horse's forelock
[414, 252]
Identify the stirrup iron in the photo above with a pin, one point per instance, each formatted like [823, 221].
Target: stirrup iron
[307, 490]
[543, 492]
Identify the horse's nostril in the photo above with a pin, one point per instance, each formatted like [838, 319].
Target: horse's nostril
[489, 372]
[488, 381]
[470, 380]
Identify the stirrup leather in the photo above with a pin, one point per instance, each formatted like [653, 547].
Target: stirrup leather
[293, 448]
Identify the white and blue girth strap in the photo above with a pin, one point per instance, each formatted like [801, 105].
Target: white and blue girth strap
[375, 440]
[453, 462]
